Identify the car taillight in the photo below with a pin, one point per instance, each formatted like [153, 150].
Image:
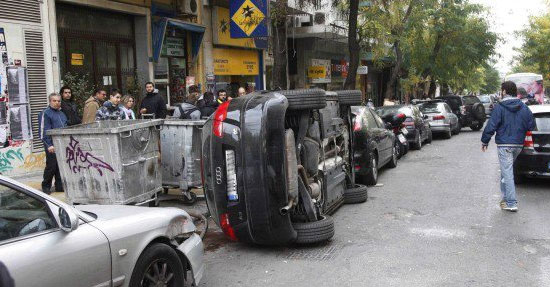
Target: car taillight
[226, 227]
[439, 117]
[219, 117]
[528, 143]
[357, 167]
[357, 124]
[231, 176]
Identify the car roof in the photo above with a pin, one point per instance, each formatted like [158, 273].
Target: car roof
[536, 109]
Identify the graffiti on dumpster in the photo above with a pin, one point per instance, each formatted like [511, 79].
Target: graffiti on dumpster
[78, 159]
[9, 158]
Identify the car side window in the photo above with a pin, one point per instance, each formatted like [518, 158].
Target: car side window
[371, 122]
[378, 120]
[21, 214]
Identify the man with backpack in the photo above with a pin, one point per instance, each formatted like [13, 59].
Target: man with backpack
[188, 109]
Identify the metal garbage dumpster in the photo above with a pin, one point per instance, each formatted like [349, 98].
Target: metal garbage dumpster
[110, 162]
[180, 142]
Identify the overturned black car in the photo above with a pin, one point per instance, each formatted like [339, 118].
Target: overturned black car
[276, 164]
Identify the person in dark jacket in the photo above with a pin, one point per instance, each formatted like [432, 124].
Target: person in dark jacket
[207, 105]
[511, 120]
[68, 106]
[188, 109]
[153, 103]
[111, 109]
[51, 118]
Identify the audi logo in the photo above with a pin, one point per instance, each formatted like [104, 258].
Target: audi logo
[218, 175]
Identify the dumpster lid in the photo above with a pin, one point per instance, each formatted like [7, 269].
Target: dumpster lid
[180, 122]
[106, 127]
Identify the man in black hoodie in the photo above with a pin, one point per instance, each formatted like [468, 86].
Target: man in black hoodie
[153, 103]
[68, 106]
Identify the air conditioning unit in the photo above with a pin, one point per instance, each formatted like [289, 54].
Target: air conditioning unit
[319, 18]
[187, 7]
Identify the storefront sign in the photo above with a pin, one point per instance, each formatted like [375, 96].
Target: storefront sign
[362, 70]
[248, 18]
[320, 70]
[77, 59]
[339, 68]
[222, 35]
[173, 47]
[235, 62]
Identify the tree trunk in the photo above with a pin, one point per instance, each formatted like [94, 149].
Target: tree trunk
[395, 73]
[353, 44]
[280, 52]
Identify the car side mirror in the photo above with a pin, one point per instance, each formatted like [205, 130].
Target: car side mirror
[68, 220]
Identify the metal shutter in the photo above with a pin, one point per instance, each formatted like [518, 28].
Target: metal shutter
[34, 48]
[20, 10]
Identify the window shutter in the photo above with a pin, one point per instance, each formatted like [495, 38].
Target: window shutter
[20, 10]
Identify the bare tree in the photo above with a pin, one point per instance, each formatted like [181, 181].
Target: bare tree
[280, 53]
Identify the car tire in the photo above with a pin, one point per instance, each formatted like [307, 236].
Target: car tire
[448, 134]
[158, 253]
[401, 150]
[372, 175]
[418, 141]
[314, 232]
[457, 128]
[393, 161]
[476, 127]
[518, 177]
[305, 99]
[349, 97]
[357, 194]
[478, 112]
[430, 137]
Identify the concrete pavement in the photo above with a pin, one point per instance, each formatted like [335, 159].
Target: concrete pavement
[434, 222]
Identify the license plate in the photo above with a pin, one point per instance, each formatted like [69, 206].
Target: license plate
[402, 139]
[404, 131]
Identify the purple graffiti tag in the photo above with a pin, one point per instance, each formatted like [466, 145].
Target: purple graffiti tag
[78, 160]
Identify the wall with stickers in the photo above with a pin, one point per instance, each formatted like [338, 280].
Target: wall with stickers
[26, 63]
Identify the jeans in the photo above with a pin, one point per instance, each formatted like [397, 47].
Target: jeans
[506, 157]
[51, 171]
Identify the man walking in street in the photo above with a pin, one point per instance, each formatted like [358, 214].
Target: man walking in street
[511, 119]
[153, 103]
[51, 118]
[92, 105]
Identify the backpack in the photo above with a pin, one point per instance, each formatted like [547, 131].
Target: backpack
[187, 114]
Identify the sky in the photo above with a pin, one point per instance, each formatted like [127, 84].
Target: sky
[506, 17]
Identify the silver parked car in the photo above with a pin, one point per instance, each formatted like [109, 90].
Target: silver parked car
[442, 118]
[45, 242]
[488, 102]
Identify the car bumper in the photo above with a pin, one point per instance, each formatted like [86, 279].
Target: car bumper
[533, 164]
[440, 128]
[193, 250]
[411, 136]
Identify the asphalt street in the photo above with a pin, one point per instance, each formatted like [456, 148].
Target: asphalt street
[434, 222]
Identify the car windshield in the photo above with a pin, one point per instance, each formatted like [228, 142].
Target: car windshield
[470, 100]
[485, 99]
[432, 108]
[543, 122]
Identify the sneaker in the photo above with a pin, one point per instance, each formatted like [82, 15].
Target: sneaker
[502, 204]
[511, 208]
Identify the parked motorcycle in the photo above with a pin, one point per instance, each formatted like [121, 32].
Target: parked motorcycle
[395, 123]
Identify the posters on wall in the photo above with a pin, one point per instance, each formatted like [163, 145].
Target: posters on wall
[320, 71]
[20, 122]
[3, 61]
[17, 85]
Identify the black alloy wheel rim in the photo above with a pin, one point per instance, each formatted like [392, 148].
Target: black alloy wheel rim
[158, 274]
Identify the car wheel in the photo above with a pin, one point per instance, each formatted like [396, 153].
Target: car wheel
[448, 134]
[158, 265]
[393, 162]
[305, 99]
[314, 232]
[456, 130]
[400, 150]
[476, 127]
[418, 142]
[349, 97]
[478, 111]
[430, 137]
[372, 176]
[357, 194]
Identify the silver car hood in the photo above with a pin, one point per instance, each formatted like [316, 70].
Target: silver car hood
[109, 212]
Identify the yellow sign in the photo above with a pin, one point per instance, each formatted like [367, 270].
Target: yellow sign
[248, 17]
[235, 62]
[77, 59]
[316, 72]
[222, 35]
